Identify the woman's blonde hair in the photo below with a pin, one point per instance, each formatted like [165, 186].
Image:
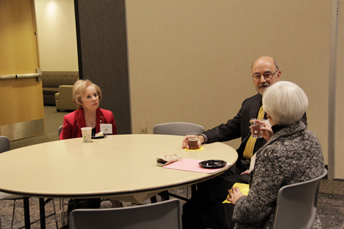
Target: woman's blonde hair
[285, 102]
[79, 89]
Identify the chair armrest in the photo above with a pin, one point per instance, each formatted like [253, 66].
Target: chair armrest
[57, 101]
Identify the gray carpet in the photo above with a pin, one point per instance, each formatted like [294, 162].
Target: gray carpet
[330, 211]
[330, 202]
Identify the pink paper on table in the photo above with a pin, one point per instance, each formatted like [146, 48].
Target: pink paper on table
[192, 165]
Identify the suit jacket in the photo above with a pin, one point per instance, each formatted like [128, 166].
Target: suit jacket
[293, 154]
[238, 127]
[74, 121]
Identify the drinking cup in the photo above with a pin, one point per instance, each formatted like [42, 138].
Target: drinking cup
[192, 141]
[255, 128]
[86, 134]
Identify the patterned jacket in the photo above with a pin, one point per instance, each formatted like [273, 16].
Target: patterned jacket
[292, 155]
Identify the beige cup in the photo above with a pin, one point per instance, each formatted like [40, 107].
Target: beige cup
[86, 134]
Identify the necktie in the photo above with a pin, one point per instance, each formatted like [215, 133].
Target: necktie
[248, 152]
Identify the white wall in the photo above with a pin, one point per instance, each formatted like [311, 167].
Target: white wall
[57, 43]
[190, 60]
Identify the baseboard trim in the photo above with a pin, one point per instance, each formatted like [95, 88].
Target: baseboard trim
[22, 130]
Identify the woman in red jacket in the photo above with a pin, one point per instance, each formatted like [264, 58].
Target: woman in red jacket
[87, 96]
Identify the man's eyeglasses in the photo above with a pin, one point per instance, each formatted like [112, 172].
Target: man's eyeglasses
[267, 75]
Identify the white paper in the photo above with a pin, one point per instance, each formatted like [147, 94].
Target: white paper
[253, 161]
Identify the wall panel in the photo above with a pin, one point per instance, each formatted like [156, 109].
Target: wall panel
[102, 47]
[56, 35]
[339, 117]
[21, 106]
[190, 60]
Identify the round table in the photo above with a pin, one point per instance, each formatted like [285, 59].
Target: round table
[120, 166]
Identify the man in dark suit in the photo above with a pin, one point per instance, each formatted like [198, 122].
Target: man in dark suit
[265, 72]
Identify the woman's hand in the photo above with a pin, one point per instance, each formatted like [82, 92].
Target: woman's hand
[185, 143]
[267, 132]
[234, 194]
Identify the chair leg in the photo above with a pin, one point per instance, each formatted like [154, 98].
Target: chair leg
[188, 191]
[42, 203]
[62, 213]
[193, 189]
[14, 210]
[55, 215]
[54, 209]
[153, 199]
[164, 195]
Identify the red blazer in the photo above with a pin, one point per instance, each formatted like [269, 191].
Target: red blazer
[73, 122]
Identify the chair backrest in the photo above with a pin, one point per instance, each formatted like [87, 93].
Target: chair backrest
[297, 203]
[59, 130]
[4, 144]
[177, 128]
[165, 214]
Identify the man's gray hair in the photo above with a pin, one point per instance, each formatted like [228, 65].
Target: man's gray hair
[285, 102]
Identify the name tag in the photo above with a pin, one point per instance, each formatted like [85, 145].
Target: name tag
[106, 128]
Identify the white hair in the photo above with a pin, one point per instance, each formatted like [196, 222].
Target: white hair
[285, 102]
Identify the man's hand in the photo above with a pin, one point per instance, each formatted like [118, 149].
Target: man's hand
[185, 141]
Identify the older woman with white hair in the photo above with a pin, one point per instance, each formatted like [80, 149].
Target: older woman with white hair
[291, 154]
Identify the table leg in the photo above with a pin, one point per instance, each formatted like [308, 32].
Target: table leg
[27, 212]
[42, 212]
[193, 189]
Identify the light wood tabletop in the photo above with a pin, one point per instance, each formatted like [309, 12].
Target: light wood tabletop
[117, 166]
